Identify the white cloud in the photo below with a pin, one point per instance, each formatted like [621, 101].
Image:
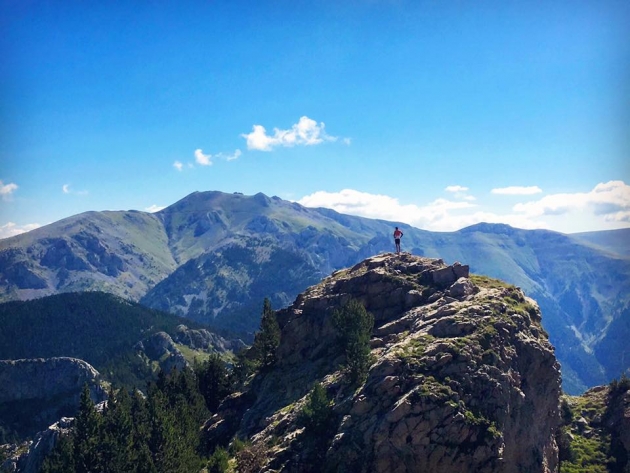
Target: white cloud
[11, 229]
[607, 206]
[456, 189]
[66, 190]
[203, 159]
[6, 190]
[459, 192]
[517, 190]
[306, 132]
[435, 215]
[623, 216]
[231, 157]
[609, 200]
[154, 208]
[208, 159]
[178, 165]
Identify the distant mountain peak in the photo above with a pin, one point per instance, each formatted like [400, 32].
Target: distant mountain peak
[485, 227]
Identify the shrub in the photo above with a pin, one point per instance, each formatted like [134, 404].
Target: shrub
[219, 461]
[252, 458]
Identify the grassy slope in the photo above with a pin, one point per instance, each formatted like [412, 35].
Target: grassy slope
[137, 238]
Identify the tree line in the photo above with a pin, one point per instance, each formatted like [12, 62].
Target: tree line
[161, 431]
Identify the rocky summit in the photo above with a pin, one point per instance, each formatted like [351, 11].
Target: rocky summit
[462, 378]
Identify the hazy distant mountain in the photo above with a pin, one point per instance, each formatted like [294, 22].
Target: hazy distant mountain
[613, 241]
[213, 257]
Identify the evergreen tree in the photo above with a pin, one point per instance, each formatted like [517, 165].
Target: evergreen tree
[243, 368]
[86, 437]
[141, 422]
[267, 339]
[117, 439]
[219, 461]
[159, 434]
[354, 325]
[316, 414]
[214, 381]
[61, 460]
[177, 410]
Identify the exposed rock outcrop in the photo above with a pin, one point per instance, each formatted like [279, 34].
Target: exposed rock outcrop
[463, 377]
[46, 378]
[160, 347]
[28, 457]
[202, 339]
[617, 422]
[35, 393]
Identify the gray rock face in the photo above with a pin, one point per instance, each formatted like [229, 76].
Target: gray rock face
[46, 378]
[35, 393]
[160, 347]
[202, 339]
[450, 274]
[30, 461]
[463, 380]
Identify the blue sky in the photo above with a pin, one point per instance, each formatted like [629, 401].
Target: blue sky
[439, 114]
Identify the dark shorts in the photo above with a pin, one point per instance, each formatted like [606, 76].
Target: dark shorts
[397, 241]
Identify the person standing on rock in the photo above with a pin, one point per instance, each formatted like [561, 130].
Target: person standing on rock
[397, 236]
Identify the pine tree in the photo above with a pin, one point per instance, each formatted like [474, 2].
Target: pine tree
[86, 436]
[354, 325]
[141, 422]
[317, 412]
[176, 409]
[214, 381]
[268, 338]
[243, 368]
[61, 460]
[117, 440]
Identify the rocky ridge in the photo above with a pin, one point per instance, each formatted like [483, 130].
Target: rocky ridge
[463, 377]
[163, 349]
[40, 378]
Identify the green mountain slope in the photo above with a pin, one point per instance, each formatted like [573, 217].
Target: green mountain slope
[99, 328]
[214, 256]
[123, 253]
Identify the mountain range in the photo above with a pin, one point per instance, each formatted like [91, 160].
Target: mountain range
[213, 257]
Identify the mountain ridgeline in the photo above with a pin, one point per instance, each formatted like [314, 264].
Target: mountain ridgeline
[213, 257]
